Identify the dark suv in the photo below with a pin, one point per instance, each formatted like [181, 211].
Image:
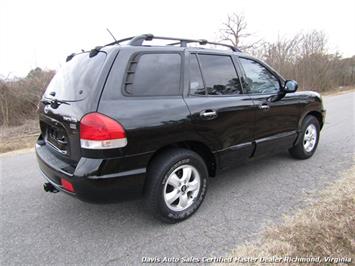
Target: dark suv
[128, 118]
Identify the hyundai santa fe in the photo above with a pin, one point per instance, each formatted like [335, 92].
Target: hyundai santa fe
[133, 118]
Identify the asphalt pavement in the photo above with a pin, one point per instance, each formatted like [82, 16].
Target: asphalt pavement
[45, 228]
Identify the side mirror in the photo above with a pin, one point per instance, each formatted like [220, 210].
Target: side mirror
[290, 86]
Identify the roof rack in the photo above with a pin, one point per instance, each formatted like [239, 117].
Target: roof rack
[138, 41]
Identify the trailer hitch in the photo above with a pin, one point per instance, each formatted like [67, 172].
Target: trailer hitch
[48, 187]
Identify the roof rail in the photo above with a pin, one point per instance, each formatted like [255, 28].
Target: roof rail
[138, 41]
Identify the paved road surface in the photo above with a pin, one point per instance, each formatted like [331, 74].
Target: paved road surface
[43, 228]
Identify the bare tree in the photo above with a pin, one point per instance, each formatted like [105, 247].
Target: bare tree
[234, 30]
[314, 42]
[281, 54]
[19, 96]
[305, 58]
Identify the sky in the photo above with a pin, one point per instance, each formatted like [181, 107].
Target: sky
[42, 33]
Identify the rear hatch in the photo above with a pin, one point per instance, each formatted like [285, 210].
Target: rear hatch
[73, 92]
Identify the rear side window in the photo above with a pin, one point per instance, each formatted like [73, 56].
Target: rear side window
[154, 75]
[196, 83]
[220, 75]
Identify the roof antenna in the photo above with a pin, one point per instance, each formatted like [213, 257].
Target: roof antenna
[111, 34]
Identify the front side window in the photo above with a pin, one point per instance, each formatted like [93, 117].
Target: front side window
[258, 78]
[220, 75]
[154, 75]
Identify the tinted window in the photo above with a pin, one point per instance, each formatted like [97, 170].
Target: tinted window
[259, 78]
[196, 83]
[77, 78]
[219, 75]
[154, 74]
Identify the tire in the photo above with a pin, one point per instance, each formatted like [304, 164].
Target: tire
[166, 174]
[308, 139]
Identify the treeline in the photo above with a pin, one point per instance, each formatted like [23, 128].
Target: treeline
[305, 59]
[20, 96]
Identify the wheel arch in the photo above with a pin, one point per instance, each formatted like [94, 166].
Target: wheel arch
[199, 147]
[317, 114]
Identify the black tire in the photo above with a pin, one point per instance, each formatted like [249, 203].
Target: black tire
[299, 151]
[158, 173]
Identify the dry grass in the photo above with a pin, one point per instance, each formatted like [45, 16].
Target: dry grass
[19, 137]
[325, 228]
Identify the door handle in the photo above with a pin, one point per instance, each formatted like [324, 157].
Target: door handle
[208, 114]
[264, 107]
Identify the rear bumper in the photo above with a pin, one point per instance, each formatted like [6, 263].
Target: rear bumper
[87, 179]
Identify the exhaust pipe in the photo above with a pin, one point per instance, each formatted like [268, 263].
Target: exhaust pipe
[48, 187]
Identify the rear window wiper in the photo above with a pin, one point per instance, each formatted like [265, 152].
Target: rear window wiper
[54, 103]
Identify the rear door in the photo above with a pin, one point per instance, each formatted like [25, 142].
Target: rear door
[73, 92]
[221, 113]
[275, 121]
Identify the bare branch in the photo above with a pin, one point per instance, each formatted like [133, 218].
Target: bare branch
[234, 31]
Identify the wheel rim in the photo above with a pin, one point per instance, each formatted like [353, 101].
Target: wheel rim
[182, 187]
[310, 138]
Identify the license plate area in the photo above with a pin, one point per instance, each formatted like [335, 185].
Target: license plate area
[57, 138]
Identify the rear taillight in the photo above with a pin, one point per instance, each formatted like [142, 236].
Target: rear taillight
[98, 131]
[67, 185]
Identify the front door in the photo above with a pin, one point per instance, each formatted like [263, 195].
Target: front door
[276, 122]
[221, 114]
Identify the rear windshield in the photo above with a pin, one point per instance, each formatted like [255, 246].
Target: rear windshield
[77, 78]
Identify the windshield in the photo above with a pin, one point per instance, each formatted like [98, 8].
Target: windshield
[77, 78]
